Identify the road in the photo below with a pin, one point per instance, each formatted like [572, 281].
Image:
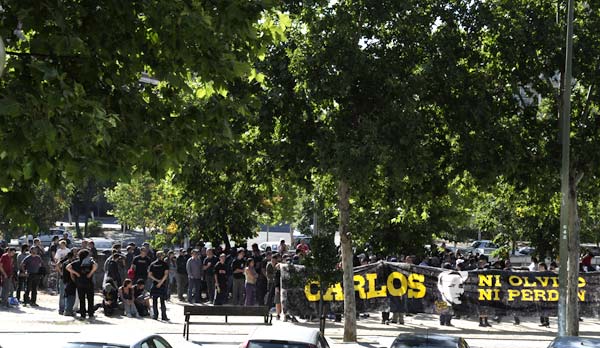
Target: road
[44, 326]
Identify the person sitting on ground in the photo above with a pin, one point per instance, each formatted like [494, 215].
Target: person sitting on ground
[141, 299]
[126, 296]
[110, 297]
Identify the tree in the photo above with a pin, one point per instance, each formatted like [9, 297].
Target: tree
[132, 201]
[338, 90]
[74, 103]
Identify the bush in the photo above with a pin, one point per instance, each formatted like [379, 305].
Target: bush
[94, 229]
[159, 241]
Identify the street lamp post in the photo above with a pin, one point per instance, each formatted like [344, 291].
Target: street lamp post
[565, 225]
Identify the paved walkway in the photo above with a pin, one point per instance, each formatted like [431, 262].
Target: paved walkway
[45, 320]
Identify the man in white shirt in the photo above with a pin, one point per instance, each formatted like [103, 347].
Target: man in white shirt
[62, 251]
[534, 265]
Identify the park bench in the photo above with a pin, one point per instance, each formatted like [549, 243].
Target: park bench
[227, 311]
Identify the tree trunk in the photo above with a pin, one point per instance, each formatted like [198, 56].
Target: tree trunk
[85, 226]
[573, 261]
[347, 263]
[144, 230]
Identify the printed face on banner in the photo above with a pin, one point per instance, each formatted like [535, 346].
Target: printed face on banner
[450, 286]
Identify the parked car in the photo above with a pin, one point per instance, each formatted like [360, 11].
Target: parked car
[428, 341]
[525, 251]
[44, 236]
[263, 246]
[103, 245]
[299, 238]
[287, 337]
[574, 341]
[122, 341]
[482, 247]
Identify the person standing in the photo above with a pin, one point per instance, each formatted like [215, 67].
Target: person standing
[221, 281]
[111, 268]
[158, 272]
[172, 262]
[209, 273]
[67, 287]
[303, 247]
[270, 273]
[61, 252]
[31, 267]
[22, 276]
[194, 272]
[544, 321]
[250, 285]
[282, 248]
[130, 255]
[181, 277]
[82, 270]
[67, 240]
[140, 265]
[237, 269]
[53, 249]
[7, 270]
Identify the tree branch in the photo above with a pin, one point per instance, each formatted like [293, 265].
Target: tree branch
[42, 55]
[586, 106]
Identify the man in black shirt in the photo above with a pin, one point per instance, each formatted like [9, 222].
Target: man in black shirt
[53, 248]
[181, 276]
[237, 269]
[140, 265]
[209, 273]
[111, 268]
[67, 301]
[158, 272]
[220, 279]
[83, 270]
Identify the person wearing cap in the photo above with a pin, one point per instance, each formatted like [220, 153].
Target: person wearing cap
[194, 272]
[237, 269]
[181, 277]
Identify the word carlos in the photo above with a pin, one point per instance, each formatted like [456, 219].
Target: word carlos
[397, 285]
[524, 288]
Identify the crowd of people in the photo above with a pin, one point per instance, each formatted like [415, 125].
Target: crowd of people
[138, 281]
[135, 282]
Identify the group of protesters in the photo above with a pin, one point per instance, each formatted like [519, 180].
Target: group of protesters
[136, 280]
[236, 276]
[454, 260]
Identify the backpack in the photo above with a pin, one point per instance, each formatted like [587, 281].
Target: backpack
[131, 274]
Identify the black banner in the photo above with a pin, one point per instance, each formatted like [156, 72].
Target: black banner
[399, 287]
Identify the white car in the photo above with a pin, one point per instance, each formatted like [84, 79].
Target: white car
[131, 340]
[482, 247]
[285, 337]
[44, 236]
[263, 246]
